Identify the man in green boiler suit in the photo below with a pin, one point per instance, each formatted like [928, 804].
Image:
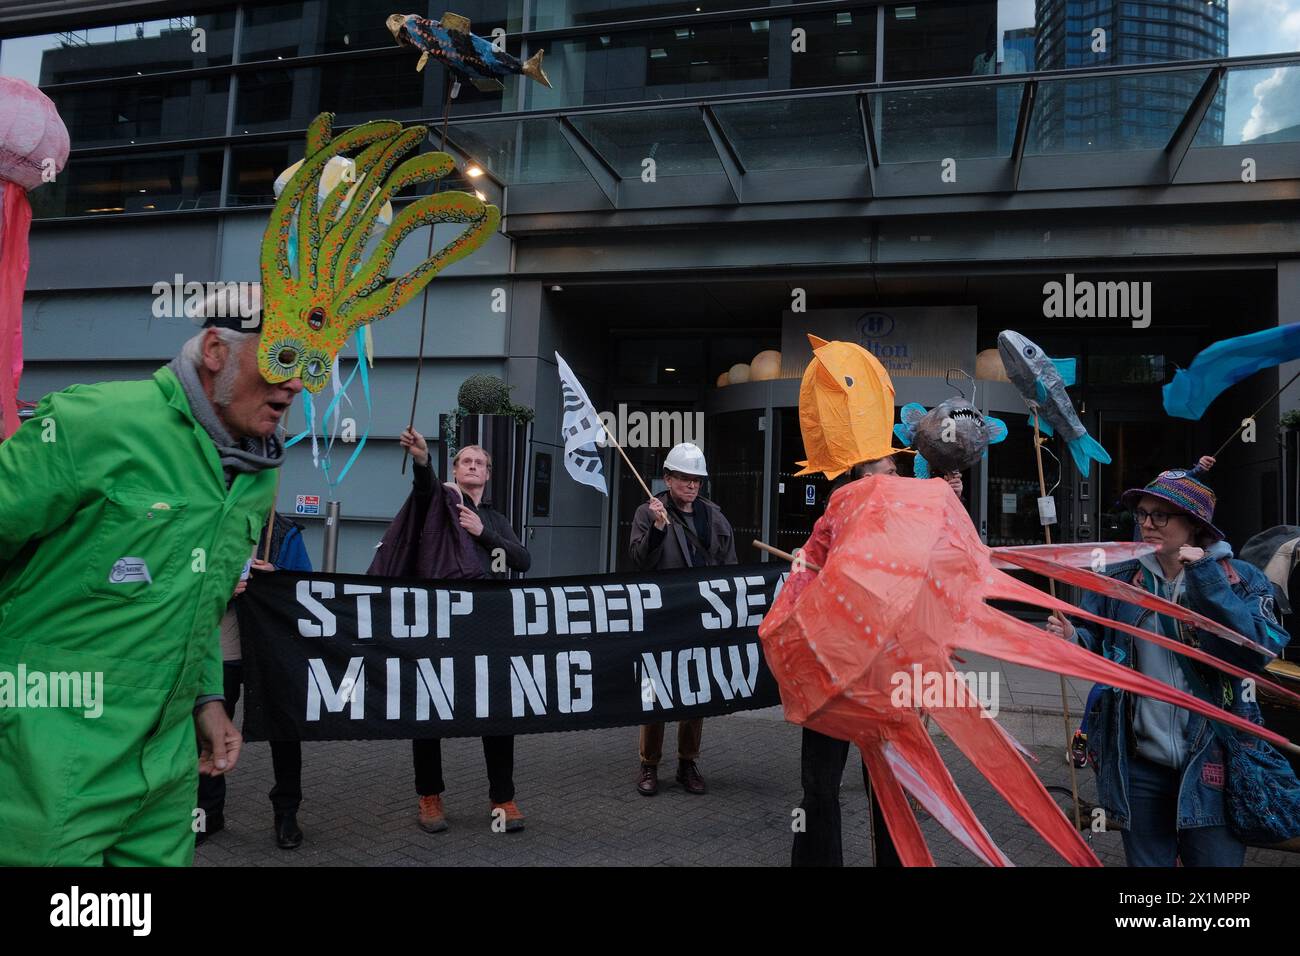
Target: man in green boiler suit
[128, 511]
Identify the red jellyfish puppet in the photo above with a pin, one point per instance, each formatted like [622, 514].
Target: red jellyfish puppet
[894, 581]
[33, 149]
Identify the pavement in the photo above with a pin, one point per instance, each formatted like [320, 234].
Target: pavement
[578, 793]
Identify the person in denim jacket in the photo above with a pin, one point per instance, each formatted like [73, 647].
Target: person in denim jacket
[1161, 770]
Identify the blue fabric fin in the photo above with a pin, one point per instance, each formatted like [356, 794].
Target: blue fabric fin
[1068, 369]
[920, 467]
[1086, 450]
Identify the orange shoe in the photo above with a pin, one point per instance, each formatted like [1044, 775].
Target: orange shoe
[432, 819]
[513, 817]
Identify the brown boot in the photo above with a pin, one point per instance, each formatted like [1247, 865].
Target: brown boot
[432, 819]
[647, 782]
[688, 775]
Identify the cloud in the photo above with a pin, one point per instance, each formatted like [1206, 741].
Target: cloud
[1275, 107]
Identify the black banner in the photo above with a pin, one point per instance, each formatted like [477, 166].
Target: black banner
[346, 656]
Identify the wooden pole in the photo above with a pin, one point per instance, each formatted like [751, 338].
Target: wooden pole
[783, 555]
[1051, 585]
[424, 308]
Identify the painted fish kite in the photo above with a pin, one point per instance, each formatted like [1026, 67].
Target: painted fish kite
[1041, 382]
[894, 582]
[846, 408]
[952, 436]
[1225, 363]
[468, 56]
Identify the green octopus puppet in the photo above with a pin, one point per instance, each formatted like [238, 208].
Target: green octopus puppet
[316, 288]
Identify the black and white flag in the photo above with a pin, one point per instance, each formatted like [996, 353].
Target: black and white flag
[581, 430]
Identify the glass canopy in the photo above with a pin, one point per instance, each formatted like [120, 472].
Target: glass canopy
[1081, 130]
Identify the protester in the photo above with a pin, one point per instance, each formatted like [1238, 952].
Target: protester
[128, 511]
[819, 840]
[700, 536]
[1161, 771]
[287, 553]
[486, 536]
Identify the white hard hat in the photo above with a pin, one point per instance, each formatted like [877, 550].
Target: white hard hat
[686, 459]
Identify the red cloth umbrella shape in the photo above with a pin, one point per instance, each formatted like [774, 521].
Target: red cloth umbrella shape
[862, 651]
[33, 148]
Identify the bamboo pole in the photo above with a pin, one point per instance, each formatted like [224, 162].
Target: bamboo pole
[1051, 586]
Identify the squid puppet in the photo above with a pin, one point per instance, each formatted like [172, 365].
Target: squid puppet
[893, 582]
[318, 284]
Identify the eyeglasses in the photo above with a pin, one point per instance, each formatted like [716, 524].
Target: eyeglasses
[1158, 518]
[687, 479]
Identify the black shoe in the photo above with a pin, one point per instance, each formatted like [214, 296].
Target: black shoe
[213, 823]
[288, 836]
[688, 775]
[647, 782]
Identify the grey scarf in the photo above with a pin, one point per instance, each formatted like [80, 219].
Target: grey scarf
[248, 455]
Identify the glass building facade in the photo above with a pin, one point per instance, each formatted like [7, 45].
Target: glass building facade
[202, 110]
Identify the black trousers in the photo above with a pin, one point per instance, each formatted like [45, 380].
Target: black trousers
[286, 760]
[822, 760]
[498, 753]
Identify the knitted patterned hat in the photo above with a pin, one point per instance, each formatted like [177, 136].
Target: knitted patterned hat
[1181, 489]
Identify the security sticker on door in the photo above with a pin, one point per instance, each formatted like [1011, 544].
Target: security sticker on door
[307, 505]
[810, 494]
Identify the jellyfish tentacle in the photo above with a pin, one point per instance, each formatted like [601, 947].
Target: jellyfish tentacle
[972, 731]
[1032, 595]
[916, 764]
[1112, 587]
[1009, 639]
[904, 831]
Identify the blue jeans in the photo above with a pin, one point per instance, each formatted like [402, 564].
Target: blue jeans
[1153, 838]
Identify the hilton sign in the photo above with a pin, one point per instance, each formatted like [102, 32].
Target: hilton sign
[909, 341]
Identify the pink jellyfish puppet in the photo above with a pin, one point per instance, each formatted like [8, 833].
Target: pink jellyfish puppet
[33, 149]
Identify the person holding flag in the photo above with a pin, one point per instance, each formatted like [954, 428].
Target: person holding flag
[678, 528]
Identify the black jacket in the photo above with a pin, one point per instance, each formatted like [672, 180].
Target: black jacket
[497, 533]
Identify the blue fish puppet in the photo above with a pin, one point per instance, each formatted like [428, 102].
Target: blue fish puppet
[468, 56]
[952, 436]
[1041, 382]
[1226, 363]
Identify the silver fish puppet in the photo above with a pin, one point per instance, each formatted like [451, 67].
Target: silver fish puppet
[1041, 382]
[471, 57]
[952, 436]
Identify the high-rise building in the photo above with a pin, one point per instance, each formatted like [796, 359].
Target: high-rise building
[1132, 113]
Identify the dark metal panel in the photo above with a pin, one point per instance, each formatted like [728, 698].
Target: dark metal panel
[1138, 167]
[923, 179]
[1262, 196]
[116, 255]
[1222, 164]
[700, 190]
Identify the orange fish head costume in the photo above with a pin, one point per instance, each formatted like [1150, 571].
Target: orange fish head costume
[846, 408]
